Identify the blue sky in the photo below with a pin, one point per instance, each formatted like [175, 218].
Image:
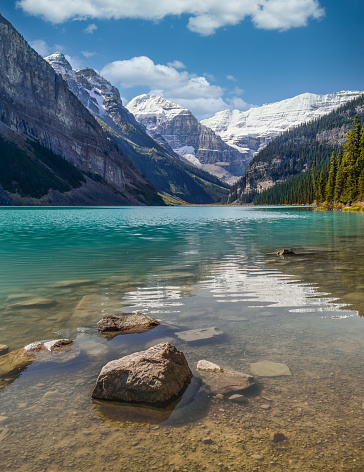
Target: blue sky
[208, 55]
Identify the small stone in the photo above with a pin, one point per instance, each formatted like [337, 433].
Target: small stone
[278, 437]
[3, 349]
[219, 396]
[265, 406]
[207, 440]
[257, 457]
[208, 366]
[285, 252]
[238, 399]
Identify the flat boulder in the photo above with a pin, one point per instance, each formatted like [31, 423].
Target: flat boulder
[226, 382]
[269, 369]
[207, 366]
[157, 376]
[57, 350]
[202, 334]
[126, 323]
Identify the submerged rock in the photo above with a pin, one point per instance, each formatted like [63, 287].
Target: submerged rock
[285, 252]
[202, 334]
[90, 308]
[71, 283]
[226, 382]
[35, 303]
[16, 361]
[127, 323]
[156, 376]
[269, 369]
[3, 349]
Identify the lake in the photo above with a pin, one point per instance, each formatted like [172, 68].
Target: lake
[62, 269]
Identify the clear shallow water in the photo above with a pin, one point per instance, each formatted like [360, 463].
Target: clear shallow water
[189, 267]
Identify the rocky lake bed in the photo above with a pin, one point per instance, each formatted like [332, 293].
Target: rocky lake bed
[274, 345]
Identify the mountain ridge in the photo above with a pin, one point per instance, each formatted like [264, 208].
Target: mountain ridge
[251, 130]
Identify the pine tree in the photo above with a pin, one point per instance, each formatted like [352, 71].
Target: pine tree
[339, 180]
[330, 186]
[320, 187]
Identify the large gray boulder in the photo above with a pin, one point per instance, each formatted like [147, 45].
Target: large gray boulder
[126, 323]
[156, 377]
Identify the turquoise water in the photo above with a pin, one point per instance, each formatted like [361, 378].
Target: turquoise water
[61, 269]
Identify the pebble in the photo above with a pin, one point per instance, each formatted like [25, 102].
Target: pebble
[265, 406]
[257, 457]
[237, 398]
[207, 440]
[278, 437]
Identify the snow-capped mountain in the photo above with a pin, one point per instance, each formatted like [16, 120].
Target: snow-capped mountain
[101, 98]
[251, 130]
[169, 122]
[157, 162]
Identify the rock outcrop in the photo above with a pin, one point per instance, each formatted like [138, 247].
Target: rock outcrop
[126, 323]
[156, 376]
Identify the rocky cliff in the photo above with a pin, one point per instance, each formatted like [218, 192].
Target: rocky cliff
[36, 103]
[250, 131]
[168, 122]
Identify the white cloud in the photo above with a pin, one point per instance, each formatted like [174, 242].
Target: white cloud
[231, 77]
[40, 46]
[88, 53]
[189, 90]
[205, 16]
[236, 91]
[176, 65]
[90, 28]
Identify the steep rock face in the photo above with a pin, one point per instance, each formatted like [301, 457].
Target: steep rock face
[251, 130]
[35, 102]
[168, 122]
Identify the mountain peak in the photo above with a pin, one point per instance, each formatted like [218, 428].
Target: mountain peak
[59, 62]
